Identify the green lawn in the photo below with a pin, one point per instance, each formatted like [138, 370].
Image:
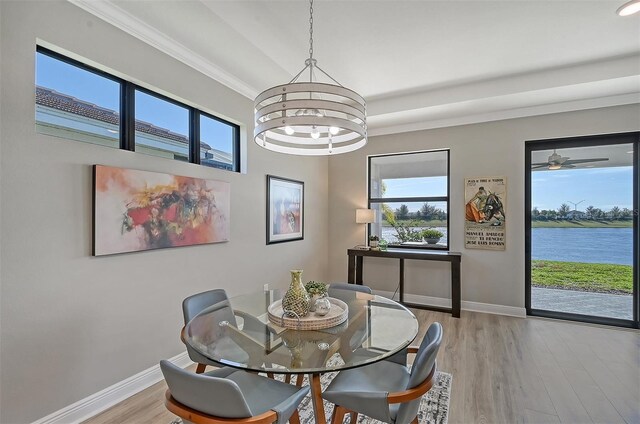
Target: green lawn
[601, 278]
[581, 224]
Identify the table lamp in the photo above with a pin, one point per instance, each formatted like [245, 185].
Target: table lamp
[365, 216]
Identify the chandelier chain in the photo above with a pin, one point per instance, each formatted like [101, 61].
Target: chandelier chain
[310, 29]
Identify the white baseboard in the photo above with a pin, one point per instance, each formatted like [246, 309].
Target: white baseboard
[465, 305]
[490, 308]
[104, 399]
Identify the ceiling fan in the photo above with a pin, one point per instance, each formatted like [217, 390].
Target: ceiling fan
[557, 161]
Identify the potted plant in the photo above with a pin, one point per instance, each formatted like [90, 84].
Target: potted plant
[316, 290]
[431, 236]
[373, 242]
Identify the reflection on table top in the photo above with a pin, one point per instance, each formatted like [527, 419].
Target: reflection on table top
[238, 333]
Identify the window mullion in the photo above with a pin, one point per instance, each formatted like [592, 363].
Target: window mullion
[194, 136]
[236, 148]
[127, 118]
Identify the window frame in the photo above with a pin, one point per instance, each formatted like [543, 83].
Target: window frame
[190, 112]
[127, 113]
[235, 148]
[424, 199]
[633, 138]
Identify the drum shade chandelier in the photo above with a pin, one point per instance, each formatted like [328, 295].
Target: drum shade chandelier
[310, 118]
[629, 8]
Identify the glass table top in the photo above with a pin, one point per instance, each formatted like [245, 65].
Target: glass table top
[238, 333]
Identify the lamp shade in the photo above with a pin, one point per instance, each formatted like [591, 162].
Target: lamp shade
[365, 216]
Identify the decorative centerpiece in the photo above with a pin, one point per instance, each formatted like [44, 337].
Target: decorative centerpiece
[373, 242]
[292, 311]
[316, 290]
[296, 299]
[335, 314]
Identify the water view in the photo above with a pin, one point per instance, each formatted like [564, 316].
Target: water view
[592, 245]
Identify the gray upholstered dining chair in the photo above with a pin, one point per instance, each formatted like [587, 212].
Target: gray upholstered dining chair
[393, 399]
[230, 395]
[345, 286]
[218, 304]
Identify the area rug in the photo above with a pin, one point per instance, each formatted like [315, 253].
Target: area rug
[434, 407]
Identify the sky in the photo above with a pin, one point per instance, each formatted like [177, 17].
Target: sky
[412, 187]
[602, 188]
[89, 87]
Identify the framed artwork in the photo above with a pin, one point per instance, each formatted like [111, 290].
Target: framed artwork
[485, 217]
[139, 210]
[285, 210]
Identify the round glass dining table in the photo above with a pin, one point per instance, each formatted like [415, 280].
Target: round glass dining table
[238, 333]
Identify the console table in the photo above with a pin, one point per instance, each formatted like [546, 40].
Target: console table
[356, 259]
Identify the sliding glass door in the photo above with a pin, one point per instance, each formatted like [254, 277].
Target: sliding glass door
[582, 229]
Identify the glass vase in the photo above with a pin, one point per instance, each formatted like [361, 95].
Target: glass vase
[296, 299]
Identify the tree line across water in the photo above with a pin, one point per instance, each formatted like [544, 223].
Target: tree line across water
[590, 213]
[426, 212]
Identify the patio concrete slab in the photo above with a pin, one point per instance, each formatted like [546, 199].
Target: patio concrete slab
[585, 303]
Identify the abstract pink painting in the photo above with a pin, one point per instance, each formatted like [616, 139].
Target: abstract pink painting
[139, 210]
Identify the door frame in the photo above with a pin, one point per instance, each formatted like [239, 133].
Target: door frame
[572, 142]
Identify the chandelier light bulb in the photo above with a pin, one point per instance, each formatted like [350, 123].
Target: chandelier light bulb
[289, 130]
[334, 130]
[315, 134]
[629, 8]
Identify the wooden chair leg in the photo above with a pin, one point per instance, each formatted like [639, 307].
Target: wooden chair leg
[415, 420]
[299, 380]
[270, 375]
[287, 378]
[200, 368]
[295, 418]
[353, 418]
[338, 414]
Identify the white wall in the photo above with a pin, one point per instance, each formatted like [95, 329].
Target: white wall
[72, 324]
[489, 149]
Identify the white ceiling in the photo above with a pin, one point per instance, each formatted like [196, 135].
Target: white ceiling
[419, 64]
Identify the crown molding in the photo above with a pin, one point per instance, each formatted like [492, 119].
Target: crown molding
[511, 113]
[613, 68]
[605, 83]
[128, 23]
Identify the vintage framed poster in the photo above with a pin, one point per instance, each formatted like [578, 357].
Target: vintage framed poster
[139, 210]
[285, 210]
[485, 213]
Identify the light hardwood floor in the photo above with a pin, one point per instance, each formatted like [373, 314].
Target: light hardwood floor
[505, 370]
